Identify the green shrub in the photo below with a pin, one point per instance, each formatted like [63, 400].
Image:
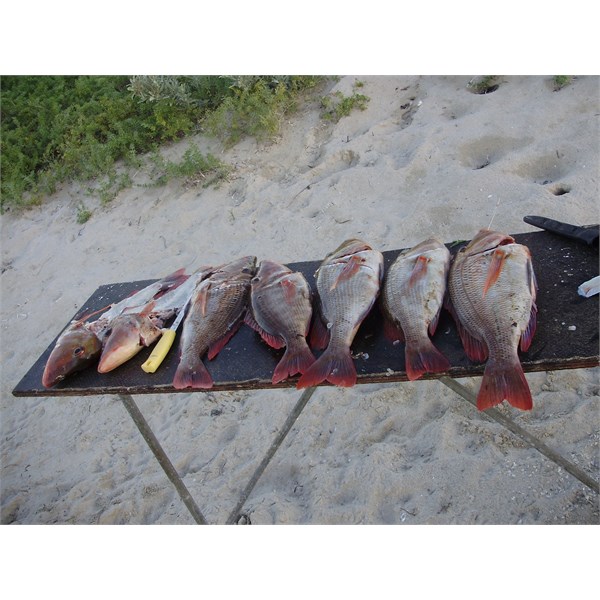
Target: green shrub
[60, 128]
[335, 106]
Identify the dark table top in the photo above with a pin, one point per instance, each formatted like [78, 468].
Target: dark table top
[247, 362]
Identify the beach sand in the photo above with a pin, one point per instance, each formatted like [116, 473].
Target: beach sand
[427, 157]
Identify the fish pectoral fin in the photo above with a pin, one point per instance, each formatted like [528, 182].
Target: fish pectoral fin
[498, 258]
[419, 270]
[272, 340]
[202, 297]
[350, 268]
[289, 291]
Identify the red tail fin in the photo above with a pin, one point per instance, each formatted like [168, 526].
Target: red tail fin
[192, 375]
[425, 358]
[295, 360]
[504, 382]
[335, 366]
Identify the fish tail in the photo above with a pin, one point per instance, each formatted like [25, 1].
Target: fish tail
[334, 365]
[297, 359]
[424, 358]
[192, 373]
[504, 381]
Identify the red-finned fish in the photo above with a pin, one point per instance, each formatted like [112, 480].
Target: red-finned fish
[216, 311]
[348, 282]
[280, 311]
[81, 343]
[411, 300]
[492, 292]
[136, 329]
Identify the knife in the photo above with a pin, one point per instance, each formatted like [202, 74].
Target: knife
[164, 344]
[587, 234]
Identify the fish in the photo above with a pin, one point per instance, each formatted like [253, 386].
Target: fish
[492, 297]
[281, 311]
[348, 283]
[135, 329]
[75, 349]
[81, 343]
[216, 311]
[411, 300]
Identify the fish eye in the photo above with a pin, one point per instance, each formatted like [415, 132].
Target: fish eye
[246, 270]
[78, 351]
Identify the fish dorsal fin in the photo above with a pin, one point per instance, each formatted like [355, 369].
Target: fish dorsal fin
[219, 344]
[495, 268]
[289, 290]
[392, 331]
[434, 322]
[272, 340]
[475, 349]
[350, 268]
[319, 334]
[527, 335]
[419, 270]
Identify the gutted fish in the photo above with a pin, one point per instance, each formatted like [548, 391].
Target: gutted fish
[81, 343]
[216, 311]
[280, 311]
[135, 329]
[492, 292]
[348, 283]
[411, 300]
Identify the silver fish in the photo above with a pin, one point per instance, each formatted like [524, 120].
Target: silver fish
[492, 292]
[281, 311]
[411, 300]
[216, 311]
[348, 283]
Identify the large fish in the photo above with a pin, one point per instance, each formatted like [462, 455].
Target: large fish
[281, 310]
[81, 342]
[492, 291]
[135, 329]
[216, 311]
[348, 283]
[411, 300]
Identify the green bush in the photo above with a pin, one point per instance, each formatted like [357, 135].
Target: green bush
[60, 128]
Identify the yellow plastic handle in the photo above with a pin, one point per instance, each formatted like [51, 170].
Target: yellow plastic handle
[160, 351]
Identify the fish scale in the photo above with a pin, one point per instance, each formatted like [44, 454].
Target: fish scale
[216, 311]
[281, 311]
[492, 294]
[412, 297]
[348, 283]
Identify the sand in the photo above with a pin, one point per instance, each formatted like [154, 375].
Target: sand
[427, 157]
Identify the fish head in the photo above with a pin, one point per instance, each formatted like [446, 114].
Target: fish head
[73, 351]
[347, 248]
[268, 270]
[485, 240]
[129, 334]
[240, 269]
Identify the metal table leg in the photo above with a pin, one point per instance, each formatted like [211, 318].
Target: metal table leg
[233, 517]
[163, 459]
[497, 416]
